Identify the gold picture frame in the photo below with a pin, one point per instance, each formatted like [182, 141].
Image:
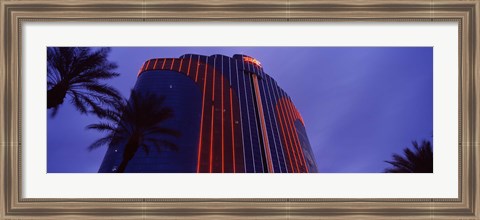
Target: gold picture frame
[13, 13]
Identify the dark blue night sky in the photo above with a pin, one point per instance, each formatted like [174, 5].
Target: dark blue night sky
[360, 104]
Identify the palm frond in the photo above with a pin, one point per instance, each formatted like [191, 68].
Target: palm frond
[102, 126]
[420, 160]
[100, 142]
[136, 123]
[78, 102]
[103, 89]
[79, 71]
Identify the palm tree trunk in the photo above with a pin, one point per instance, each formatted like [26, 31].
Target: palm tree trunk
[128, 153]
[123, 165]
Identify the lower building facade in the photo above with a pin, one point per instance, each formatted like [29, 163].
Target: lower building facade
[232, 116]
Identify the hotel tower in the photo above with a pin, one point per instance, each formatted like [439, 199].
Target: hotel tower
[232, 116]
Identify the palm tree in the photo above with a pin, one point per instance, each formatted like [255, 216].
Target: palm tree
[137, 123]
[76, 72]
[418, 161]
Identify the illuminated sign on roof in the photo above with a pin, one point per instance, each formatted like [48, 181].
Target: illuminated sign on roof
[252, 60]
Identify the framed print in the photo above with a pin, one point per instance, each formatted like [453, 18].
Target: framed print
[243, 110]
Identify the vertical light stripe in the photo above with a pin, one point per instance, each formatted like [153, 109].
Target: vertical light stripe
[222, 110]
[268, 102]
[266, 144]
[293, 132]
[289, 137]
[230, 71]
[301, 118]
[233, 133]
[300, 149]
[148, 63]
[284, 134]
[213, 111]
[281, 99]
[201, 121]
[258, 70]
[248, 116]
[241, 118]
[155, 64]
[270, 86]
[189, 64]
[198, 67]
[211, 140]
[213, 82]
[252, 88]
[274, 89]
[180, 67]
[171, 65]
[140, 70]
[250, 67]
[163, 64]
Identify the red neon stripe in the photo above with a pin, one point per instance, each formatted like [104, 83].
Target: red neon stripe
[294, 147]
[280, 119]
[295, 136]
[198, 67]
[289, 131]
[180, 68]
[300, 149]
[297, 115]
[223, 127]
[163, 64]
[301, 118]
[292, 127]
[201, 124]
[211, 128]
[211, 142]
[303, 154]
[171, 65]
[188, 70]
[292, 109]
[213, 87]
[263, 124]
[140, 70]
[155, 64]
[296, 143]
[283, 125]
[233, 135]
[148, 63]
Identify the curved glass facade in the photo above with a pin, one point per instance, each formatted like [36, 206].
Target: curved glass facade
[233, 117]
[184, 98]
